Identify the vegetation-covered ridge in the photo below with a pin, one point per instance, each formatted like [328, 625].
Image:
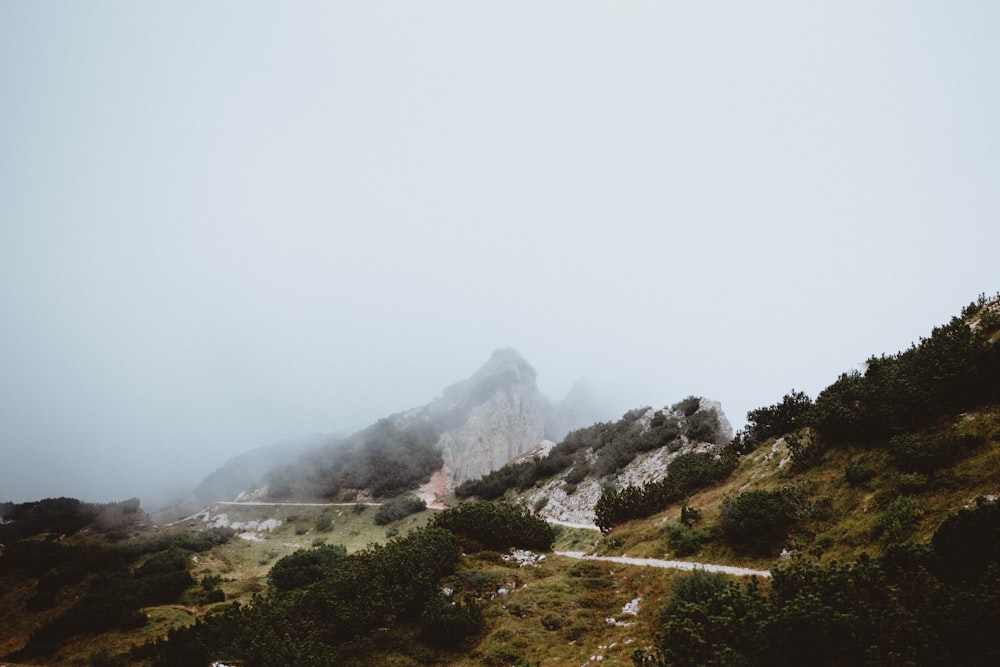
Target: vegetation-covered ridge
[885, 407]
[388, 458]
[604, 449]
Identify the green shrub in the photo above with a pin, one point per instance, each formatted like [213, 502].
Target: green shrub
[694, 588]
[687, 406]
[324, 522]
[915, 605]
[552, 621]
[702, 426]
[305, 566]
[398, 508]
[968, 541]
[215, 595]
[685, 474]
[758, 519]
[857, 473]
[951, 370]
[687, 540]
[925, 454]
[578, 472]
[496, 525]
[446, 622]
[161, 562]
[805, 449]
[690, 515]
[990, 321]
[777, 419]
[899, 519]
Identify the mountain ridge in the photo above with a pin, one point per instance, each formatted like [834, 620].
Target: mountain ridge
[476, 424]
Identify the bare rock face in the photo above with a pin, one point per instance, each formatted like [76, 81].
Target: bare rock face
[504, 417]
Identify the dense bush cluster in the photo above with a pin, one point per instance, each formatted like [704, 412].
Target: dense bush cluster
[64, 516]
[778, 419]
[446, 622]
[758, 520]
[122, 579]
[497, 526]
[385, 458]
[899, 518]
[925, 454]
[325, 622]
[685, 474]
[935, 604]
[955, 368]
[686, 539]
[325, 602]
[305, 566]
[398, 508]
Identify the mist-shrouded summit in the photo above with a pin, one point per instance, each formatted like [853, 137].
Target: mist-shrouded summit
[475, 426]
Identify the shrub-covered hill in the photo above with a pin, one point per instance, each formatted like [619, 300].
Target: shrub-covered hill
[882, 545]
[880, 456]
[71, 570]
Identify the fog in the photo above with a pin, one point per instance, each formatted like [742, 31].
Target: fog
[226, 224]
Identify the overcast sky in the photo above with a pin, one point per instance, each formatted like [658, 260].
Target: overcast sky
[224, 224]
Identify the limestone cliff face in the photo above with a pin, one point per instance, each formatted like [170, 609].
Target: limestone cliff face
[502, 416]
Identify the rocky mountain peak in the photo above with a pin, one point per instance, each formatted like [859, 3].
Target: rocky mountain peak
[495, 415]
[474, 427]
[505, 368]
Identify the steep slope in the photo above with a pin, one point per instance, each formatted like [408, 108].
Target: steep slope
[881, 457]
[564, 482]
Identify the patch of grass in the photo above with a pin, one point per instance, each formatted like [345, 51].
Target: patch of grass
[575, 539]
[557, 614]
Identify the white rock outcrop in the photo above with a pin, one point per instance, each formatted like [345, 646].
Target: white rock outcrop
[576, 507]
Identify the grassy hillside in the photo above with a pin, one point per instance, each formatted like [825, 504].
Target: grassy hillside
[844, 499]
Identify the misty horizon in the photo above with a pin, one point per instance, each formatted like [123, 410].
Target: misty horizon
[225, 226]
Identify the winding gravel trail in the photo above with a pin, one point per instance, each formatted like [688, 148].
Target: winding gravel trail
[670, 564]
